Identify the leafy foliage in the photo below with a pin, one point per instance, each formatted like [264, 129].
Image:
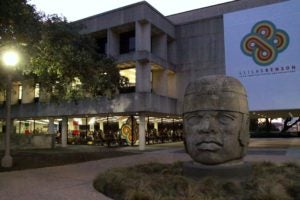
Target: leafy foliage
[19, 29]
[55, 54]
[64, 56]
[19, 22]
[289, 124]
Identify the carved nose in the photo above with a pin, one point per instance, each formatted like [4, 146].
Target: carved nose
[207, 125]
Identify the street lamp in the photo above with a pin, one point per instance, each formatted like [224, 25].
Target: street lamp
[9, 59]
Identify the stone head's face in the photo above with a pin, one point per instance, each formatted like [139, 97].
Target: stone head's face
[216, 120]
[212, 137]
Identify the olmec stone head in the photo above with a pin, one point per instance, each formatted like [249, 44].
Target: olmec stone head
[216, 120]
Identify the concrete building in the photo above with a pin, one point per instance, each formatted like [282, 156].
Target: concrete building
[159, 54]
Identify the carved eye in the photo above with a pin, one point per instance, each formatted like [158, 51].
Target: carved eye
[225, 118]
[193, 119]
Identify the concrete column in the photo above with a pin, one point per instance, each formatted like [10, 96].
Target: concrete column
[28, 92]
[51, 126]
[51, 131]
[143, 36]
[160, 82]
[159, 46]
[101, 124]
[91, 123]
[113, 43]
[64, 132]
[92, 127]
[142, 135]
[14, 94]
[146, 124]
[156, 125]
[172, 51]
[172, 84]
[120, 124]
[44, 96]
[143, 77]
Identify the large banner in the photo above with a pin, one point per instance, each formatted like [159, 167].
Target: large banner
[262, 50]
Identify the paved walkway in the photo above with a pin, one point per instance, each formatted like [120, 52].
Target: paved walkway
[75, 181]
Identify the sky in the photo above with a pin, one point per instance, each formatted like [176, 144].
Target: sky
[78, 9]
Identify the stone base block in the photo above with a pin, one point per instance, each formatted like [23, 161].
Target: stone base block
[236, 171]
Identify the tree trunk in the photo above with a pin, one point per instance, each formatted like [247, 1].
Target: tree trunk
[268, 124]
[287, 126]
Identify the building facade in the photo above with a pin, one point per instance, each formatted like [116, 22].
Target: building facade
[158, 54]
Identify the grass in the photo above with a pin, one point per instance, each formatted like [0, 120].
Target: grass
[165, 182]
[38, 158]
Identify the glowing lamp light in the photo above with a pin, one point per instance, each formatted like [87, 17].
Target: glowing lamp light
[10, 58]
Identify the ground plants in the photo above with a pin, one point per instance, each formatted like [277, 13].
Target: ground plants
[165, 182]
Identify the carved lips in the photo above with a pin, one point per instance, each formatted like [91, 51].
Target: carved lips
[209, 146]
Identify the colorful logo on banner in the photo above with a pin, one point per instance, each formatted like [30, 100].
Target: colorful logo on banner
[127, 133]
[264, 43]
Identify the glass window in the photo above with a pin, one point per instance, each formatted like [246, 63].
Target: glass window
[130, 74]
[101, 45]
[37, 90]
[20, 92]
[128, 80]
[127, 42]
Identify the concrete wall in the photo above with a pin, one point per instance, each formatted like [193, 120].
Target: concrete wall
[159, 46]
[160, 82]
[200, 42]
[37, 141]
[217, 10]
[144, 56]
[172, 90]
[113, 43]
[14, 93]
[201, 49]
[136, 12]
[28, 92]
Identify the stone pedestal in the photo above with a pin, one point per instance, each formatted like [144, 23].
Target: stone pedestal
[232, 171]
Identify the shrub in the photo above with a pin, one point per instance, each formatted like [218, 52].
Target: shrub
[155, 181]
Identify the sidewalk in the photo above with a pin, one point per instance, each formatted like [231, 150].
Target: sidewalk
[75, 181]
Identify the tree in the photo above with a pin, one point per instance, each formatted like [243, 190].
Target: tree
[19, 22]
[266, 125]
[68, 65]
[64, 62]
[19, 27]
[287, 124]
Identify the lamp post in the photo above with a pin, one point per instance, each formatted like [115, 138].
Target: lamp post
[10, 59]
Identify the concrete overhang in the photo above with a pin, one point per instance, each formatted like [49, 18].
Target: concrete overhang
[143, 56]
[141, 11]
[123, 103]
[275, 113]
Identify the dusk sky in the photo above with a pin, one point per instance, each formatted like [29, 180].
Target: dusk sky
[74, 10]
